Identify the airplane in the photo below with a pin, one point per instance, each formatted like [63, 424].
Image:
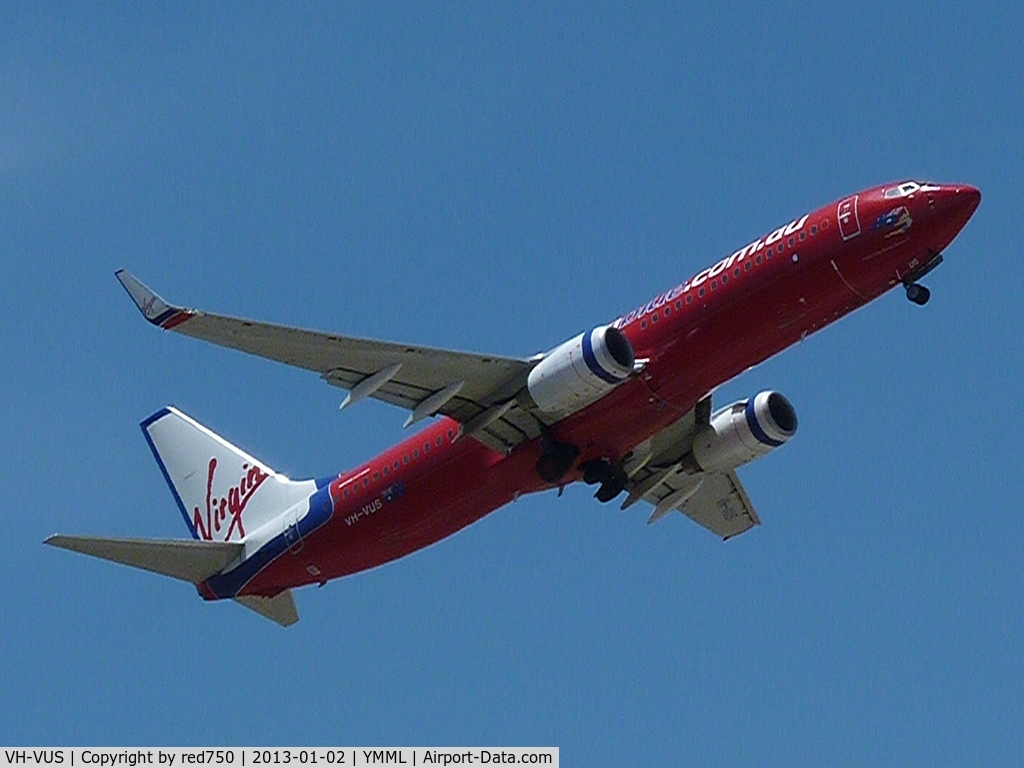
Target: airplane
[624, 406]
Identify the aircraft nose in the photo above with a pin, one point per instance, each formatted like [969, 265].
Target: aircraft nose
[962, 199]
[969, 197]
[954, 202]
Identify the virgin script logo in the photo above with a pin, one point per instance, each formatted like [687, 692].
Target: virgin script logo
[218, 510]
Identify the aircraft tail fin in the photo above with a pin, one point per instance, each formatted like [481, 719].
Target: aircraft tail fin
[222, 491]
[188, 560]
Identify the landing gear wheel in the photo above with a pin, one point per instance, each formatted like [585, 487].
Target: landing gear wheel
[594, 471]
[614, 481]
[918, 294]
[611, 477]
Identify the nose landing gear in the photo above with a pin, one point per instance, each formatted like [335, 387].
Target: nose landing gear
[918, 294]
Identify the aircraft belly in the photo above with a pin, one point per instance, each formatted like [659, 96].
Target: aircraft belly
[434, 505]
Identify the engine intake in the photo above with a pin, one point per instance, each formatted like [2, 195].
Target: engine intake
[744, 431]
[579, 371]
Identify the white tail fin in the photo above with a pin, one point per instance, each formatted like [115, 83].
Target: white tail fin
[223, 492]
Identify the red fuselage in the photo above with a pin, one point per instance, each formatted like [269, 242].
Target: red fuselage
[725, 319]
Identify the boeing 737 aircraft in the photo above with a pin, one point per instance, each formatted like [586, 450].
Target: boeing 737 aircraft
[624, 406]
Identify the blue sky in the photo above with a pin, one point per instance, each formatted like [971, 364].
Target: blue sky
[497, 179]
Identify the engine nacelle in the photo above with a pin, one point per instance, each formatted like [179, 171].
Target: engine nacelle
[744, 431]
[579, 371]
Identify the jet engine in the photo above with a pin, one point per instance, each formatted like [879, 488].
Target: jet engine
[744, 431]
[579, 371]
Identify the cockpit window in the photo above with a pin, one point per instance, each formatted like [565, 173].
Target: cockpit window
[903, 190]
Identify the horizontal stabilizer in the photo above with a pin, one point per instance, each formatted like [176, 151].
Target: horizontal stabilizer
[188, 560]
[279, 608]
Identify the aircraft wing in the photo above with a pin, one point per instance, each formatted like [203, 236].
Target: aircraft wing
[715, 500]
[475, 390]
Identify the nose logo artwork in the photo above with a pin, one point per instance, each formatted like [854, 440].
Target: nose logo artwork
[231, 505]
[898, 218]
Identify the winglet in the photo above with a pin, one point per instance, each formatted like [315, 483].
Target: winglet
[152, 307]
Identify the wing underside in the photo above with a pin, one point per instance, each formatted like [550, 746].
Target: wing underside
[714, 500]
[718, 501]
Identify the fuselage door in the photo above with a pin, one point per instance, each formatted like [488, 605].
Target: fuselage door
[849, 221]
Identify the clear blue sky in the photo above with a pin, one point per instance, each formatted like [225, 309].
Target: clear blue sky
[495, 179]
